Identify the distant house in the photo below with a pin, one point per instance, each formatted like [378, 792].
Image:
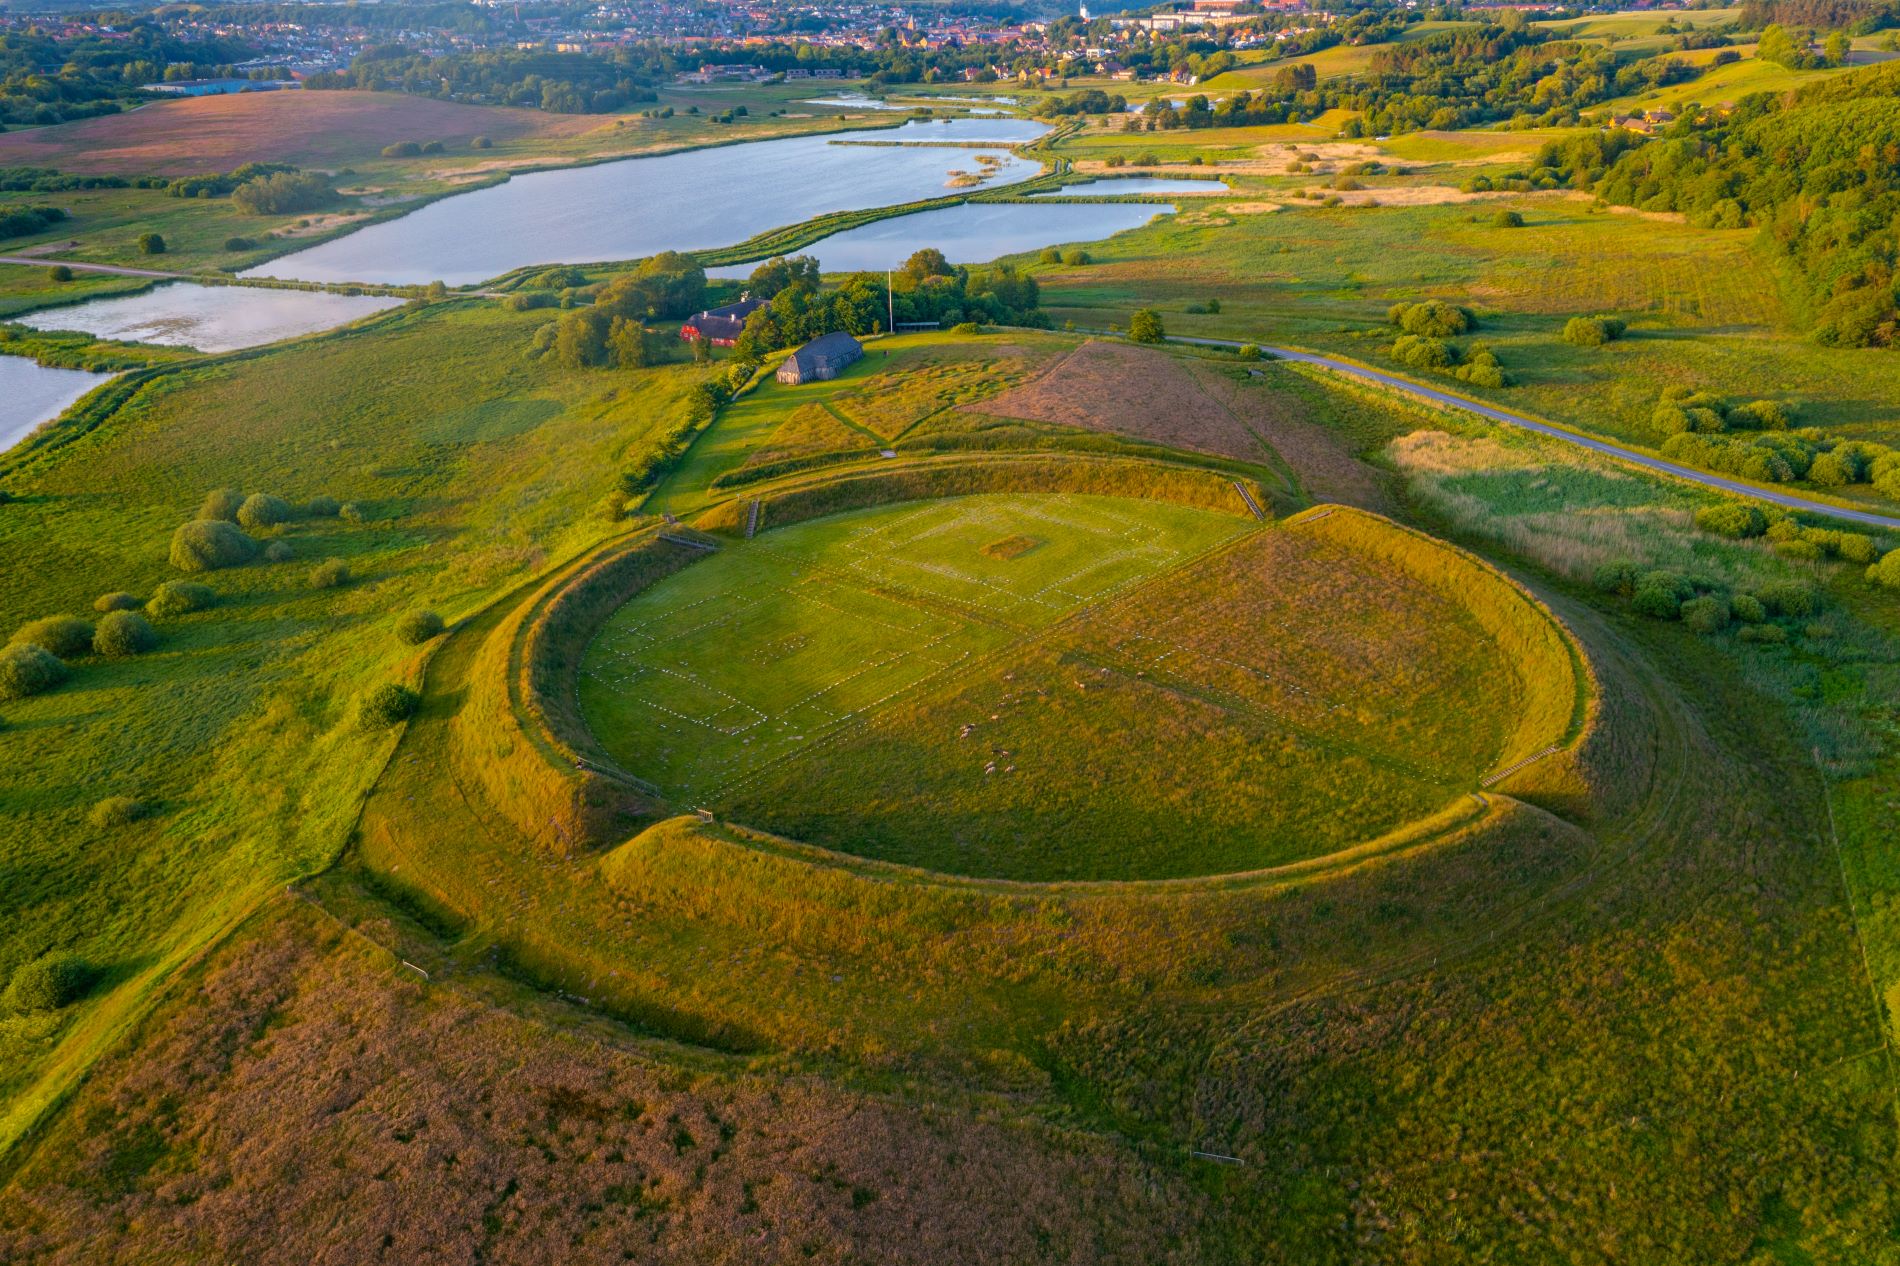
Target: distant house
[721, 326]
[820, 359]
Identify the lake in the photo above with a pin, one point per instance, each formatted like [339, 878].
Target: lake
[31, 394]
[635, 207]
[970, 234]
[1116, 187]
[209, 318]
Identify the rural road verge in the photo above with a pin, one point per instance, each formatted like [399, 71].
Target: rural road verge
[1656, 465]
[117, 270]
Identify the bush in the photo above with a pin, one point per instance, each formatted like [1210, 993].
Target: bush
[1145, 326]
[222, 504]
[1507, 220]
[1250, 351]
[1432, 319]
[418, 627]
[402, 149]
[59, 273]
[330, 574]
[179, 597]
[1592, 331]
[1708, 614]
[279, 552]
[1420, 352]
[209, 544]
[1076, 258]
[122, 634]
[27, 670]
[151, 244]
[238, 243]
[66, 636]
[350, 512]
[118, 601]
[1763, 633]
[1656, 602]
[1791, 598]
[49, 983]
[1050, 255]
[1805, 551]
[481, 142]
[1732, 519]
[966, 327]
[117, 811]
[1886, 572]
[388, 705]
[261, 511]
[321, 507]
[1747, 608]
[1617, 578]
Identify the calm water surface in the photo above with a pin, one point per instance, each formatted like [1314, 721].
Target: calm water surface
[209, 318]
[31, 394]
[970, 234]
[639, 206]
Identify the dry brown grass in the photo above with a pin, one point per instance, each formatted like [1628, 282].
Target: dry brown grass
[311, 1101]
[312, 129]
[1318, 455]
[1132, 391]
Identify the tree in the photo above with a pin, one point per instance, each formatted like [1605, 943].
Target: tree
[928, 262]
[627, 344]
[1836, 48]
[761, 336]
[578, 341]
[1145, 326]
[59, 273]
[779, 272]
[151, 244]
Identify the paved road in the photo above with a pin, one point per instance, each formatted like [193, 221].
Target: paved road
[1659, 465]
[41, 261]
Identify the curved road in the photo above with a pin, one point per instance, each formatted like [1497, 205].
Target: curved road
[1658, 465]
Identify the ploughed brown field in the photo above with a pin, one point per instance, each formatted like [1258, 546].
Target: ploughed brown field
[203, 134]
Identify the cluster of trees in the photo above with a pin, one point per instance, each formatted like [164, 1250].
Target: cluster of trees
[46, 78]
[1682, 409]
[1705, 605]
[1755, 440]
[1855, 17]
[605, 325]
[1817, 171]
[220, 535]
[562, 83]
[1425, 330]
[283, 193]
[1088, 101]
[1593, 331]
[1791, 539]
[221, 184]
[20, 221]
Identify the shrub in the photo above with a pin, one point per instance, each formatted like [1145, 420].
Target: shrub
[117, 811]
[402, 149]
[330, 574]
[1791, 598]
[1422, 352]
[1855, 547]
[261, 511]
[966, 327]
[116, 601]
[321, 507]
[1592, 331]
[1763, 633]
[66, 636]
[350, 512]
[1616, 577]
[209, 544]
[1709, 614]
[1050, 255]
[1747, 608]
[387, 705]
[279, 552]
[1886, 572]
[27, 670]
[122, 634]
[1145, 326]
[1656, 602]
[1433, 318]
[59, 273]
[1732, 519]
[418, 627]
[49, 983]
[481, 142]
[1507, 220]
[179, 597]
[1249, 351]
[1806, 551]
[1077, 257]
[238, 243]
[151, 244]
[224, 503]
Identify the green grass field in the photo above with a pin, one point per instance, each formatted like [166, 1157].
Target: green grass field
[959, 684]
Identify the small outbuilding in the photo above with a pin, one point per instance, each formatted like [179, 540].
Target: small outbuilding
[820, 359]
